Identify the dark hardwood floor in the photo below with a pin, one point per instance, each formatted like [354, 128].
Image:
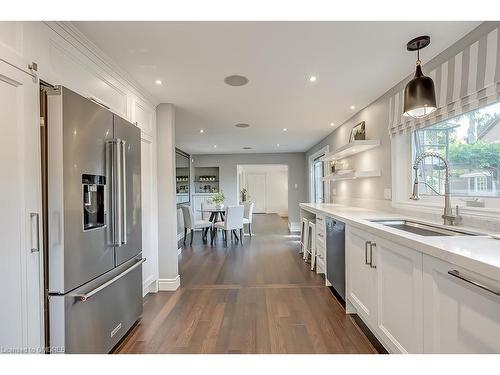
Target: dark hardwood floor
[256, 298]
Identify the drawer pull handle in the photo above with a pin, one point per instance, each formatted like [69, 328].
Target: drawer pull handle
[456, 273]
[371, 255]
[366, 251]
[86, 296]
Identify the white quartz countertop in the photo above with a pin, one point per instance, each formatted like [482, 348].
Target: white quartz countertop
[480, 254]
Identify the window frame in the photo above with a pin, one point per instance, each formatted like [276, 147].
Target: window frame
[310, 166]
[401, 161]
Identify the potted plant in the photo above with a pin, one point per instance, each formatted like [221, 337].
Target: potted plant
[218, 200]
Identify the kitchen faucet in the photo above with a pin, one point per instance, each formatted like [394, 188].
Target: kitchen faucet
[448, 217]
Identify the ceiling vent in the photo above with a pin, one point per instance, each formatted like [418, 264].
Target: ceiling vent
[242, 125]
[236, 80]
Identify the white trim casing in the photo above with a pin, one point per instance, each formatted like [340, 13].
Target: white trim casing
[169, 285]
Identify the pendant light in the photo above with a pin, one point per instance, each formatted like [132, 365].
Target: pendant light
[420, 94]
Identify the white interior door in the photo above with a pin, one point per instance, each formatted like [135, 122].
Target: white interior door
[256, 186]
[20, 220]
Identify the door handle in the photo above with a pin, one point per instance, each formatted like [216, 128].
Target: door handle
[372, 244]
[366, 252]
[35, 234]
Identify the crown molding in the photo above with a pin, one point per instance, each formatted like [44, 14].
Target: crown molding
[69, 32]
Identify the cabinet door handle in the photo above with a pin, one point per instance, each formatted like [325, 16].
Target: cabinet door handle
[366, 252]
[456, 273]
[372, 244]
[35, 232]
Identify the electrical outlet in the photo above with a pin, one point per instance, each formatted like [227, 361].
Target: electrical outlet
[388, 194]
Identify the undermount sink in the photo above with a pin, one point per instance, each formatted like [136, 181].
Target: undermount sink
[422, 229]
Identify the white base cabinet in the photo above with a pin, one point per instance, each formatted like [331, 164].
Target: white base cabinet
[415, 303]
[384, 285]
[459, 317]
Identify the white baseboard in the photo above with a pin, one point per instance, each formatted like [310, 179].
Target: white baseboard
[169, 284]
[150, 285]
[293, 226]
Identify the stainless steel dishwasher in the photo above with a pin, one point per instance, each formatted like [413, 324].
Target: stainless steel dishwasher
[335, 255]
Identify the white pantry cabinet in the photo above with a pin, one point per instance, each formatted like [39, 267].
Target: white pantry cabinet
[20, 221]
[459, 317]
[384, 284]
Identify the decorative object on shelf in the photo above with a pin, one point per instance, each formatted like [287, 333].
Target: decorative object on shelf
[218, 199]
[244, 195]
[358, 133]
[333, 165]
[420, 94]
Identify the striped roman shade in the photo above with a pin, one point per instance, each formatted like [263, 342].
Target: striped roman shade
[467, 81]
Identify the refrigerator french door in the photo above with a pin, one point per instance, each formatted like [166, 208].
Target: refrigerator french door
[94, 224]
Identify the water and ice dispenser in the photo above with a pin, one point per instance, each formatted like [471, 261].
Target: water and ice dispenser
[93, 201]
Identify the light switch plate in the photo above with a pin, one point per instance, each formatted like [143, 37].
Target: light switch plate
[388, 194]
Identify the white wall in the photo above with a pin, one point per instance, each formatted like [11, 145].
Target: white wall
[276, 185]
[228, 176]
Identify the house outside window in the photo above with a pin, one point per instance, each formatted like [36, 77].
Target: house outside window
[471, 144]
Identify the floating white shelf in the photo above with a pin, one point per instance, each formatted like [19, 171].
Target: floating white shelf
[351, 175]
[352, 148]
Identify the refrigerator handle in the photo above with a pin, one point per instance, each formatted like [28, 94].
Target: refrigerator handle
[118, 192]
[115, 191]
[124, 193]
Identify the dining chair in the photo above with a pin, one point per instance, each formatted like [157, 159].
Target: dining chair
[192, 224]
[233, 221]
[247, 215]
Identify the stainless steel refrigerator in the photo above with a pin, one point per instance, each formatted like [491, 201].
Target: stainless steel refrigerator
[94, 224]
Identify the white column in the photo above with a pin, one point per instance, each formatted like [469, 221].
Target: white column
[169, 278]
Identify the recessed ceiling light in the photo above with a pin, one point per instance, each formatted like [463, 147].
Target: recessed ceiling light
[158, 82]
[277, 145]
[352, 107]
[313, 78]
[236, 80]
[215, 146]
[332, 124]
[202, 131]
[285, 129]
[242, 125]
[246, 148]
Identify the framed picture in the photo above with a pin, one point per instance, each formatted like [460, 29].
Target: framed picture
[358, 133]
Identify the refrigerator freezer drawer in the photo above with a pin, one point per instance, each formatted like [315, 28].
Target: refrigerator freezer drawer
[94, 317]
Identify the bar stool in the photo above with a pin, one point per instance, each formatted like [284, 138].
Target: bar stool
[304, 228]
[311, 244]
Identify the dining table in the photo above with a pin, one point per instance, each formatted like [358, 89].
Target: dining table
[216, 215]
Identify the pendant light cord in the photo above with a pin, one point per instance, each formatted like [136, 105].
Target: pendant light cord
[418, 56]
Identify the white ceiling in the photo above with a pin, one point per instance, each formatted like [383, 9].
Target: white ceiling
[355, 63]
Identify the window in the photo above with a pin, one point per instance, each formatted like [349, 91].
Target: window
[319, 185]
[471, 144]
